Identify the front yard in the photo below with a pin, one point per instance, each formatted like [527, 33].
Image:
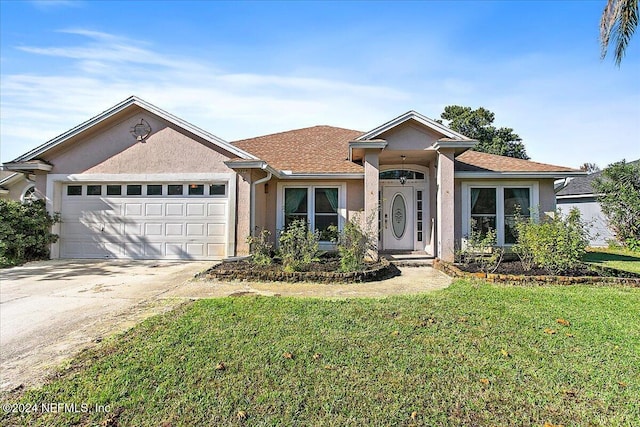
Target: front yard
[620, 259]
[473, 354]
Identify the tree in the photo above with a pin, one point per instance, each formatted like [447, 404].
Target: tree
[618, 189]
[590, 168]
[620, 20]
[477, 124]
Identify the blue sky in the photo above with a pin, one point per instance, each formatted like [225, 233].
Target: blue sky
[242, 69]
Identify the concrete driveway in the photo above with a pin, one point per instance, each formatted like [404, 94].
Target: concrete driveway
[51, 309]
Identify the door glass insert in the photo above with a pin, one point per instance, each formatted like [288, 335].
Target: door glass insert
[398, 216]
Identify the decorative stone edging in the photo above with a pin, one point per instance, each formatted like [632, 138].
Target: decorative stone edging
[454, 271]
[383, 270]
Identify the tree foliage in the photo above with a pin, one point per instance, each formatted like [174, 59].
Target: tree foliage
[618, 189]
[590, 168]
[478, 124]
[620, 20]
[25, 232]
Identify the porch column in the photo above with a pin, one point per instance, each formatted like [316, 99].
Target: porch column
[445, 205]
[371, 199]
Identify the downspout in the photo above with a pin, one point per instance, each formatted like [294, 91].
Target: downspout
[252, 210]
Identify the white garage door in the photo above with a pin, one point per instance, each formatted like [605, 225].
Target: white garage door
[144, 221]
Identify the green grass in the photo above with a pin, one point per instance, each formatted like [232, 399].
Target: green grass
[619, 259]
[474, 354]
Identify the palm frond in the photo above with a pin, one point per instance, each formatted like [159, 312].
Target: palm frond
[620, 19]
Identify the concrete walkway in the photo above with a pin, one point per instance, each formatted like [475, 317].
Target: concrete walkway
[50, 310]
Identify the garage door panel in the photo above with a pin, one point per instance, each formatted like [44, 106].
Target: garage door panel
[141, 227]
[153, 229]
[174, 229]
[196, 249]
[217, 209]
[153, 209]
[195, 229]
[133, 229]
[174, 209]
[133, 209]
[195, 209]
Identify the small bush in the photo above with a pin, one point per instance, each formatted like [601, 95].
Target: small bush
[481, 249]
[261, 248]
[25, 232]
[298, 246]
[555, 244]
[352, 246]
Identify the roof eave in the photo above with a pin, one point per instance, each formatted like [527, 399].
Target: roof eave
[511, 174]
[24, 167]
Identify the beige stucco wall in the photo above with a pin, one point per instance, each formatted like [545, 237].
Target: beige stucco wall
[409, 136]
[547, 196]
[16, 189]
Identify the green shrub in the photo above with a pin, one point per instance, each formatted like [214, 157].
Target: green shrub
[352, 245]
[556, 243]
[261, 248]
[481, 249]
[298, 246]
[25, 232]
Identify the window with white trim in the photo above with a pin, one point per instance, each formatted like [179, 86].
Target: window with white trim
[496, 207]
[316, 205]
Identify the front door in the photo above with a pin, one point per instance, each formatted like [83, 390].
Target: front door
[397, 218]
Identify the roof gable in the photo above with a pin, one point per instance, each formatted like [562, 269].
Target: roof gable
[432, 125]
[120, 108]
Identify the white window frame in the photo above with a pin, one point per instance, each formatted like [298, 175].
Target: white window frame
[311, 187]
[499, 186]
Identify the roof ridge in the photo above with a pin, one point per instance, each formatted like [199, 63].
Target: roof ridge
[295, 130]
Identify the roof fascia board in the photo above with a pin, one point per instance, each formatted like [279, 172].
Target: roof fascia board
[432, 124]
[467, 143]
[529, 175]
[322, 176]
[577, 196]
[11, 178]
[28, 167]
[4, 191]
[133, 100]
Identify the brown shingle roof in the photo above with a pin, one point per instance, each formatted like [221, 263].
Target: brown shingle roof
[318, 149]
[475, 161]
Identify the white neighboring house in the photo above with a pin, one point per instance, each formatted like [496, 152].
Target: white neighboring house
[578, 193]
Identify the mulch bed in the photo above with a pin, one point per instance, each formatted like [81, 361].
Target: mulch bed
[511, 272]
[324, 271]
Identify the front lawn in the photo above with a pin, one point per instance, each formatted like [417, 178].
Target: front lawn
[473, 354]
[619, 259]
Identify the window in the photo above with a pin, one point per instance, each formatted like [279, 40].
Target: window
[217, 190]
[326, 211]
[196, 189]
[94, 190]
[114, 190]
[397, 173]
[496, 208]
[483, 209]
[134, 190]
[517, 201]
[295, 205]
[317, 206]
[154, 190]
[174, 189]
[74, 190]
[30, 194]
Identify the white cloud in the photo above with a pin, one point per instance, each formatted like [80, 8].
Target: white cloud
[38, 107]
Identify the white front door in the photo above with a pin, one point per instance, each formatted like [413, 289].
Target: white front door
[398, 218]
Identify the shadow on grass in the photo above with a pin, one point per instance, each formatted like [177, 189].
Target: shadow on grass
[603, 257]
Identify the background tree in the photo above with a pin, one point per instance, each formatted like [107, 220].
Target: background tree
[619, 195]
[620, 20]
[478, 124]
[590, 168]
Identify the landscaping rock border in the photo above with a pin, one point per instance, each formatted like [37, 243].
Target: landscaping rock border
[224, 271]
[451, 270]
